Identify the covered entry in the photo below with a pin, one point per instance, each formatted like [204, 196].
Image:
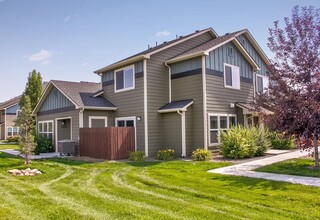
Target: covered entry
[63, 129]
[249, 116]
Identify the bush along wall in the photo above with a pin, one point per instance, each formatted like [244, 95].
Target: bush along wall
[240, 142]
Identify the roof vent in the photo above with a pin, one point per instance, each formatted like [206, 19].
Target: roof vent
[164, 42]
[180, 36]
[227, 34]
[197, 31]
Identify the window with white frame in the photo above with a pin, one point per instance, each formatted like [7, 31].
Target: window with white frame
[18, 112]
[45, 129]
[125, 122]
[98, 122]
[217, 124]
[124, 79]
[262, 83]
[12, 131]
[231, 76]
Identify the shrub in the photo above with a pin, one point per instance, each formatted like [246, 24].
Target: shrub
[240, 142]
[201, 155]
[44, 145]
[168, 154]
[280, 142]
[137, 156]
[15, 138]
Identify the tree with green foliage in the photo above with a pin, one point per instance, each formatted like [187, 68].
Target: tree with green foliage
[26, 123]
[33, 89]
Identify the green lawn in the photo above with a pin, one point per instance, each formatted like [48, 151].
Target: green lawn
[300, 167]
[153, 190]
[8, 146]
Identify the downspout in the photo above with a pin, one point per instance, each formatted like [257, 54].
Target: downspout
[204, 94]
[80, 121]
[5, 124]
[254, 84]
[165, 63]
[183, 133]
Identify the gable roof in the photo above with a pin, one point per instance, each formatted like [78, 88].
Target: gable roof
[10, 102]
[147, 53]
[79, 93]
[174, 106]
[211, 45]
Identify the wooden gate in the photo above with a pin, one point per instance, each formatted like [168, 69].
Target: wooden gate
[112, 143]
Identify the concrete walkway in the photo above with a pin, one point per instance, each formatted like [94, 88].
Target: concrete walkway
[245, 169]
[40, 156]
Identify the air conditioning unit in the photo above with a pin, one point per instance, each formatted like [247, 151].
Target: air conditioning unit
[66, 147]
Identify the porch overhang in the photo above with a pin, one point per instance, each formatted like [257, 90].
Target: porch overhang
[248, 109]
[176, 106]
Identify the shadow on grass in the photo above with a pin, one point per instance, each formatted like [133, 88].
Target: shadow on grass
[144, 164]
[67, 161]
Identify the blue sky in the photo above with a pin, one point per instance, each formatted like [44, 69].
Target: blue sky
[69, 39]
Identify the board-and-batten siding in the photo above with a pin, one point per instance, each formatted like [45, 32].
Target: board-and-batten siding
[13, 109]
[253, 53]
[158, 88]
[55, 100]
[129, 103]
[108, 114]
[219, 56]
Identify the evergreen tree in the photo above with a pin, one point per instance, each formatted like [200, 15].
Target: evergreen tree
[33, 89]
[26, 123]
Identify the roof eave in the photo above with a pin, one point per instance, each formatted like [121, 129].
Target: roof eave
[186, 57]
[98, 108]
[172, 110]
[246, 54]
[122, 63]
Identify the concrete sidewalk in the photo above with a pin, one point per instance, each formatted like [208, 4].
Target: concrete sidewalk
[245, 169]
[40, 156]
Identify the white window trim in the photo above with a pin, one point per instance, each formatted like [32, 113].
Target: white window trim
[56, 130]
[17, 112]
[115, 79]
[263, 77]
[12, 131]
[224, 77]
[218, 129]
[134, 118]
[98, 117]
[48, 121]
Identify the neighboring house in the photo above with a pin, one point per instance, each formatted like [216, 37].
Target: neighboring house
[8, 114]
[180, 94]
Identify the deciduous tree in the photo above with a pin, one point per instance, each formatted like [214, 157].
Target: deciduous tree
[294, 91]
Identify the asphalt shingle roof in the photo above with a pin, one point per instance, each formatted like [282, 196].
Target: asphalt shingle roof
[81, 93]
[176, 104]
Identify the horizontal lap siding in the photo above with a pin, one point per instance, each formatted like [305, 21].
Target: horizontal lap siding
[191, 88]
[172, 132]
[219, 97]
[129, 103]
[158, 87]
[10, 120]
[109, 114]
[75, 121]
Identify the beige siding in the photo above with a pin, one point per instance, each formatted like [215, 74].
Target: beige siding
[190, 136]
[108, 114]
[190, 87]
[172, 132]
[219, 97]
[158, 88]
[75, 121]
[10, 120]
[129, 103]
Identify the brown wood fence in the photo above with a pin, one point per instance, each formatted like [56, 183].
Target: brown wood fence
[112, 143]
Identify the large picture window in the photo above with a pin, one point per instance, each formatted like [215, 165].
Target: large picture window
[262, 83]
[45, 129]
[231, 76]
[12, 131]
[124, 79]
[217, 124]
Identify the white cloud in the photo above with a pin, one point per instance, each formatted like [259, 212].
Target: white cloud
[67, 18]
[163, 33]
[41, 56]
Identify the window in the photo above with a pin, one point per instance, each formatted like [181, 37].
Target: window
[262, 83]
[18, 112]
[45, 129]
[125, 122]
[231, 76]
[124, 79]
[12, 131]
[98, 122]
[217, 124]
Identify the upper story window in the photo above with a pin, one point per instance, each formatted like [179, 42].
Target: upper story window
[231, 76]
[262, 83]
[124, 79]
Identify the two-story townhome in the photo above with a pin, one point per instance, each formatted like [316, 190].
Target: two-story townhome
[180, 94]
[9, 111]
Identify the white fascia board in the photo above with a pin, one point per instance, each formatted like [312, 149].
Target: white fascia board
[98, 94]
[257, 47]
[172, 110]
[245, 54]
[121, 64]
[98, 108]
[186, 57]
